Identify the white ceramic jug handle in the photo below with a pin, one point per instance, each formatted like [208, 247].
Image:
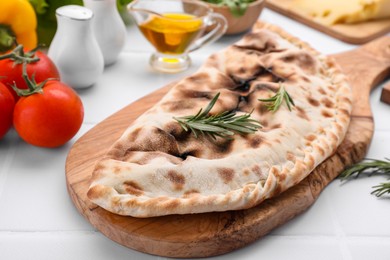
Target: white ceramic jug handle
[220, 23]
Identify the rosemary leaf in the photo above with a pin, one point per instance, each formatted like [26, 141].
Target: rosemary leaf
[381, 189]
[277, 100]
[370, 166]
[224, 124]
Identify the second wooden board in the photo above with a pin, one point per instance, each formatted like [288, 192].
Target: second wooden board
[351, 33]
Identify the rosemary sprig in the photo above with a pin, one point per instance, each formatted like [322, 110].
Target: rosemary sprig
[224, 124]
[276, 101]
[370, 166]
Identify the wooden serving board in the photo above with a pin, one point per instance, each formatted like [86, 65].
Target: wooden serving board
[209, 234]
[351, 33]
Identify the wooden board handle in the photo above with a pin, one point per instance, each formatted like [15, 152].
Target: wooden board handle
[366, 67]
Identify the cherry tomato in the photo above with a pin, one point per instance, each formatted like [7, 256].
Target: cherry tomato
[11, 72]
[51, 118]
[7, 104]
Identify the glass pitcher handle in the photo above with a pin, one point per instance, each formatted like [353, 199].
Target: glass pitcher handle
[220, 28]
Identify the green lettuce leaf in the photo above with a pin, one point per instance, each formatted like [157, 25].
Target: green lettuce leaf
[40, 6]
[47, 22]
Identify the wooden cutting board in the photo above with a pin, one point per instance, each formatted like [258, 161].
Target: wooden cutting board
[352, 33]
[209, 234]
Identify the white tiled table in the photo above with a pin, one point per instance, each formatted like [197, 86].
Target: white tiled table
[39, 221]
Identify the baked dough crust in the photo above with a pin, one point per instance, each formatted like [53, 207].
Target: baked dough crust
[156, 168]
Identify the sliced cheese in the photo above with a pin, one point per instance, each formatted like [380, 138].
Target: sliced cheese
[331, 12]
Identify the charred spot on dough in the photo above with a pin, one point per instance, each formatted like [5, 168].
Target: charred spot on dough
[97, 192]
[190, 193]
[310, 137]
[216, 148]
[171, 204]
[117, 152]
[326, 113]
[143, 158]
[185, 154]
[344, 112]
[116, 170]
[264, 123]
[244, 75]
[191, 93]
[275, 75]
[262, 108]
[313, 102]
[327, 102]
[280, 178]
[131, 187]
[244, 103]
[153, 139]
[242, 85]
[258, 42]
[98, 172]
[306, 79]
[346, 100]
[276, 126]
[99, 167]
[321, 150]
[310, 161]
[257, 170]
[267, 128]
[302, 59]
[177, 179]
[261, 74]
[267, 86]
[241, 70]
[334, 137]
[174, 129]
[133, 135]
[222, 146]
[199, 78]
[290, 156]
[302, 113]
[255, 141]
[223, 80]
[226, 174]
[322, 91]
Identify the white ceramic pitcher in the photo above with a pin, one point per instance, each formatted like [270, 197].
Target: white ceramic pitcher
[108, 27]
[74, 48]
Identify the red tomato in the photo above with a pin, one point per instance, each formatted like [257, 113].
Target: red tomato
[49, 119]
[11, 73]
[7, 104]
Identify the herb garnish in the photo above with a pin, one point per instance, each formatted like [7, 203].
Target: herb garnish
[237, 7]
[276, 101]
[224, 124]
[370, 166]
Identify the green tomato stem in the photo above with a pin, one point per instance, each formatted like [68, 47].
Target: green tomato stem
[7, 38]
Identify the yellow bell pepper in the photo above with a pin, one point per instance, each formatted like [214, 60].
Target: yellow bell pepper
[17, 22]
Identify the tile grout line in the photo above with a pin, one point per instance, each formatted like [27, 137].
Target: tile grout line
[340, 234]
[4, 170]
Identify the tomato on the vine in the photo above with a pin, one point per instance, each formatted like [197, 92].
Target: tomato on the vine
[7, 104]
[39, 66]
[50, 116]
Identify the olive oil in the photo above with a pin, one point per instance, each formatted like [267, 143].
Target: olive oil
[172, 33]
